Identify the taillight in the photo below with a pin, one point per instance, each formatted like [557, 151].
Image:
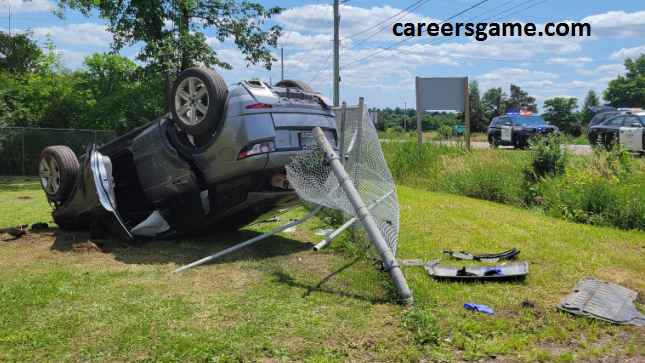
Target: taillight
[261, 148]
[257, 106]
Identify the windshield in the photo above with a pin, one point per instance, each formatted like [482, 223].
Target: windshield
[527, 120]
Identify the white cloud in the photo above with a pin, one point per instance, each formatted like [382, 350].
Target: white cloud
[617, 24]
[569, 62]
[604, 70]
[72, 59]
[78, 34]
[20, 6]
[514, 75]
[628, 53]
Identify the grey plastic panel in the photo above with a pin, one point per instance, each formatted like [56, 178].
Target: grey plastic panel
[510, 271]
[302, 120]
[603, 300]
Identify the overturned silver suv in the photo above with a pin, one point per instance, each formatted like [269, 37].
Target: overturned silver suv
[216, 162]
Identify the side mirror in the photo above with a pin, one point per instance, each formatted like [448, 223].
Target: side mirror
[507, 123]
[636, 124]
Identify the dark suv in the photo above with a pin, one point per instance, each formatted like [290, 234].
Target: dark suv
[217, 161]
[516, 128]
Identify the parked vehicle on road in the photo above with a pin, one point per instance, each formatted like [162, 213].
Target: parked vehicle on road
[217, 161]
[516, 128]
[626, 128]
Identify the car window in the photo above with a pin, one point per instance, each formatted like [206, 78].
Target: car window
[629, 120]
[493, 122]
[528, 120]
[616, 121]
[504, 120]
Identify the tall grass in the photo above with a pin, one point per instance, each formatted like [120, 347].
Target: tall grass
[606, 188]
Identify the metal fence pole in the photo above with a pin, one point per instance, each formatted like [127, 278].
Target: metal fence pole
[22, 135]
[359, 142]
[387, 257]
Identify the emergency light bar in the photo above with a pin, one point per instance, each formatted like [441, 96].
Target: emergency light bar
[518, 113]
[630, 109]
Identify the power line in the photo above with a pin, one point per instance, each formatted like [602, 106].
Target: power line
[372, 27]
[306, 28]
[295, 19]
[373, 54]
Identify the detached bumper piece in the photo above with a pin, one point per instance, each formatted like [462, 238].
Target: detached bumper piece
[502, 272]
[603, 300]
[495, 257]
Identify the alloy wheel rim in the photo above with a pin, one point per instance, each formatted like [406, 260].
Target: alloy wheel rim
[191, 101]
[49, 174]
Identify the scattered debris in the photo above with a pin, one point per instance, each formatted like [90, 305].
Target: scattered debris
[14, 232]
[603, 300]
[39, 226]
[415, 262]
[480, 308]
[290, 229]
[502, 272]
[26, 197]
[527, 304]
[323, 232]
[495, 257]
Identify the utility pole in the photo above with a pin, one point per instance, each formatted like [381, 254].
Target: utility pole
[336, 56]
[282, 63]
[405, 115]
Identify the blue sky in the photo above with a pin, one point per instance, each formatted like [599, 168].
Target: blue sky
[546, 67]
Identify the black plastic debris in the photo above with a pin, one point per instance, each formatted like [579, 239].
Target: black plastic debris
[527, 304]
[494, 257]
[502, 272]
[603, 300]
[39, 226]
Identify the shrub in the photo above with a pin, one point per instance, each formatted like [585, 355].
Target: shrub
[575, 129]
[547, 157]
[445, 131]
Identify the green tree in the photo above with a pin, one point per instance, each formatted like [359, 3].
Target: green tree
[494, 102]
[591, 100]
[478, 119]
[628, 90]
[18, 53]
[171, 30]
[520, 100]
[560, 112]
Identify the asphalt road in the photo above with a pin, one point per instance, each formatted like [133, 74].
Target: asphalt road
[576, 149]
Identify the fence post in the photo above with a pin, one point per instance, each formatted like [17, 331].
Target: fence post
[22, 136]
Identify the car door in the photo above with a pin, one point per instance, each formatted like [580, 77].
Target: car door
[631, 133]
[507, 129]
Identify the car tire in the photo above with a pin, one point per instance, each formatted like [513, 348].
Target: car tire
[517, 143]
[58, 169]
[197, 100]
[492, 140]
[292, 83]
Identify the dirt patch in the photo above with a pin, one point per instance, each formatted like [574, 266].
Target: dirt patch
[45, 256]
[86, 247]
[26, 197]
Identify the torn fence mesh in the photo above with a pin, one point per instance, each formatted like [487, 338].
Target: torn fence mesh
[363, 160]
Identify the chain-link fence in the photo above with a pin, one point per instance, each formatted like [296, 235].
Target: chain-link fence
[20, 147]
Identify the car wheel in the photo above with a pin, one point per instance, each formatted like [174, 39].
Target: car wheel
[197, 100]
[292, 83]
[58, 168]
[492, 140]
[517, 142]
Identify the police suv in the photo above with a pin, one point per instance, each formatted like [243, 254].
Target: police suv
[516, 128]
[626, 128]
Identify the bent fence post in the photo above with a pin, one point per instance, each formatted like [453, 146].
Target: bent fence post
[387, 257]
[251, 241]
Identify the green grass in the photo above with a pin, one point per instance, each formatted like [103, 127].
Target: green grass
[278, 301]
